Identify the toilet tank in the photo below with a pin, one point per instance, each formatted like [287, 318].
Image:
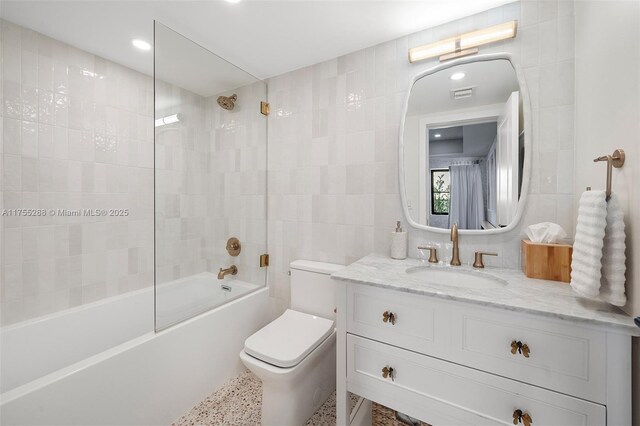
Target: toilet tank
[312, 289]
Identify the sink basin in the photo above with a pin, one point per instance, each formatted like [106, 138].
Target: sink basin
[447, 276]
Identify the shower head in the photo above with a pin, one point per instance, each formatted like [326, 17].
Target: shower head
[227, 102]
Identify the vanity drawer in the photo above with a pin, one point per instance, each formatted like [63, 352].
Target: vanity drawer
[402, 319]
[548, 353]
[440, 392]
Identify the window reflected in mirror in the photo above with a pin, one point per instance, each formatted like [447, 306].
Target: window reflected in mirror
[440, 190]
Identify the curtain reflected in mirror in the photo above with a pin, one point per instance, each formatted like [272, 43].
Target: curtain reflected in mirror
[467, 204]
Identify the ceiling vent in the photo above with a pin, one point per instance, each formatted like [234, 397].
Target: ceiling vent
[462, 93]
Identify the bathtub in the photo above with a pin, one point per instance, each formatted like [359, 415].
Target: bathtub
[187, 297]
[33, 349]
[114, 369]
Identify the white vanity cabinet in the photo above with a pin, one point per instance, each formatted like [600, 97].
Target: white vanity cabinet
[451, 362]
[442, 392]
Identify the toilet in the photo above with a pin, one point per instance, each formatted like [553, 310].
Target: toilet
[295, 355]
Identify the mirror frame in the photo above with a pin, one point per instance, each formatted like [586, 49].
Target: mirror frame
[528, 158]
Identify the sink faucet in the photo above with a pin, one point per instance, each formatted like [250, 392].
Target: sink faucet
[455, 258]
[231, 270]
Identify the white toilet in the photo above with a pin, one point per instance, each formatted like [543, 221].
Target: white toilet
[295, 355]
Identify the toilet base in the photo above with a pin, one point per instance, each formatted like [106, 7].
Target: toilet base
[290, 396]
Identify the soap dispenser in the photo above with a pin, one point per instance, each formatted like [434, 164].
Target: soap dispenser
[399, 243]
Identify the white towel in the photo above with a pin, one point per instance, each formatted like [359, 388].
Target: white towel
[613, 257]
[598, 263]
[587, 249]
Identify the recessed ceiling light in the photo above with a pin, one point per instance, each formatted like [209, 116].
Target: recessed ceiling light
[437, 135]
[457, 76]
[233, 1]
[141, 44]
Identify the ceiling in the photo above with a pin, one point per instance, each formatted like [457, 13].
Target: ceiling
[265, 38]
[492, 83]
[446, 133]
[470, 140]
[478, 138]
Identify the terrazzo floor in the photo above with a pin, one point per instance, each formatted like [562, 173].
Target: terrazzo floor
[238, 403]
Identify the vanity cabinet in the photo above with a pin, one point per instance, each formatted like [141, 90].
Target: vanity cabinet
[448, 362]
[551, 354]
[404, 321]
[443, 392]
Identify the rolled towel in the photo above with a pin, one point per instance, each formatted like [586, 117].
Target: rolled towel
[613, 257]
[586, 263]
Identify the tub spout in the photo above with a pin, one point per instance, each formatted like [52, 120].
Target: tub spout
[231, 270]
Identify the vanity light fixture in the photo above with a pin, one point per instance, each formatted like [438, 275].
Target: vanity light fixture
[437, 135]
[457, 76]
[141, 44]
[463, 44]
[169, 119]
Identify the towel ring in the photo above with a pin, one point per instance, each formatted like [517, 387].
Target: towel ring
[616, 160]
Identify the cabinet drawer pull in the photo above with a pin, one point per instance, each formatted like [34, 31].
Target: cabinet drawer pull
[388, 372]
[519, 347]
[521, 417]
[389, 316]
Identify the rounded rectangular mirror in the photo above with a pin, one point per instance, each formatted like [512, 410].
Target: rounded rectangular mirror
[463, 146]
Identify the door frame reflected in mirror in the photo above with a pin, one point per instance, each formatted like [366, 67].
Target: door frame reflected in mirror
[527, 126]
[480, 116]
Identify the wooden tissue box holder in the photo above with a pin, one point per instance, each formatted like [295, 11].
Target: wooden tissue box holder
[547, 261]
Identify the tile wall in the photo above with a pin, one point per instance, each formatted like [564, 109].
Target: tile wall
[237, 192]
[76, 134]
[333, 141]
[211, 184]
[181, 185]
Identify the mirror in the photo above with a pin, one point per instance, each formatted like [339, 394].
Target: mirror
[462, 148]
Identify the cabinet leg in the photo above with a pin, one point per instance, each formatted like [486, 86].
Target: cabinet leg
[342, 396]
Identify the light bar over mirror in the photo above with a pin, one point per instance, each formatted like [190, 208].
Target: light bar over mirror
[463, 44]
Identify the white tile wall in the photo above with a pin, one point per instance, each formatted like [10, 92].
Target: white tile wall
[237, 176]
[211, 184]
[76, 134]
[181, 177]
[333, 137]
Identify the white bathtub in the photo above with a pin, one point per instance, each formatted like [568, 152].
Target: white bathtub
[113, 369]
[35, 348]
[187, 297]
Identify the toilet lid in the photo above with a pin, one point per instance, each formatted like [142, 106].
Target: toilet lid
[289, 339]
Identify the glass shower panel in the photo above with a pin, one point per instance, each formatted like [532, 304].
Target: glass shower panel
[210, 179]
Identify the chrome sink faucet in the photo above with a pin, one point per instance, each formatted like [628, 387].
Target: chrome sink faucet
[455, 258]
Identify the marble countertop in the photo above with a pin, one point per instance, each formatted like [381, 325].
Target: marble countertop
[519, 293]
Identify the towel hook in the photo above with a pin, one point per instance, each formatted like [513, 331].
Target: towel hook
[616, 160]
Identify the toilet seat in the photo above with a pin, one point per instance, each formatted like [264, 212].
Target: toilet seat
[286, 341]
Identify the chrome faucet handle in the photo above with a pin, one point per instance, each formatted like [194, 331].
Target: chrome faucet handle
[478, 263]
[433, 253]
